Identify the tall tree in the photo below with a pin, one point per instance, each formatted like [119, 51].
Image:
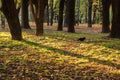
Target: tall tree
[78, 11]
[47, 14]
[60, 21]
[51, 11]
[115, 30]
[90, 13]
[11, 13]
[105, 15]
[38, 14]
[70, 14]
[25, 20]
[65, 17]
[94, 14]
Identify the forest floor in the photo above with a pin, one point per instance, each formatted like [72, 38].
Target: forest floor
[81, 28]
[60, 56]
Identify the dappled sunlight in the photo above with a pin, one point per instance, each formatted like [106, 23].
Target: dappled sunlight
[58, 56]
[59, 40]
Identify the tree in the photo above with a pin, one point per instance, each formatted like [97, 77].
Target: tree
[65, 17]
[11, 13]
[38, 14]
[90, 13]
[105, 15]
[47, 14]
[2, 21]
[115, 29]
[51, 11]
[94, 13]
[70, 14]
[78, 17]
[60, 21]
[25, 21]
[86, 14]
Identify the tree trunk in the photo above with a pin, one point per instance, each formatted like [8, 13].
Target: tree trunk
[86, 15]
[52, 12]
[38, 14]
[39, 26]
[78, 13]
[70, 15]
[10, 11]
[2, 21]
[25, 21]
[105, 14]
[94, 15]
[47, 11]
[115, 30]
[60, 21]
[40, 18]
[89, 13]
[65, 17]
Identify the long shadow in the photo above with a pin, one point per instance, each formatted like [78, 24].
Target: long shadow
[106, 40]
[104, 62]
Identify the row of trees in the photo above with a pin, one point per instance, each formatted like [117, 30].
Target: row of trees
[11, 8]
[114, 32]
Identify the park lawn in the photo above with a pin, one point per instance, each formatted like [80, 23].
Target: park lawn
[59, 57]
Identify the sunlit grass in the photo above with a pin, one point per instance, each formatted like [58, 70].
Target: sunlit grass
[60, 56]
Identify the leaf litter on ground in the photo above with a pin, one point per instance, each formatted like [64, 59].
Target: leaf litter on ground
[59, 57]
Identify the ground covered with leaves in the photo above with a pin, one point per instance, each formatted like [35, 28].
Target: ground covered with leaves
[59, 57]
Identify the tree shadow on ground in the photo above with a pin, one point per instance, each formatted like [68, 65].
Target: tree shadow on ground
[113, 44]
[104, 40]
[63, 52]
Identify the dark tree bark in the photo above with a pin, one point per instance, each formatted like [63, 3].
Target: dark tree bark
[60, 21]
[70, 5]
[25, 21]
[105, 15]
[52, 12]
[40, 19]
[115, 30]
[11, 13]
[90, 13]
[38, 14]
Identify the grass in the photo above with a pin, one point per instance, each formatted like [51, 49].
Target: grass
[59, 57]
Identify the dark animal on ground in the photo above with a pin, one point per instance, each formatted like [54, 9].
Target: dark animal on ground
[81, 39]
